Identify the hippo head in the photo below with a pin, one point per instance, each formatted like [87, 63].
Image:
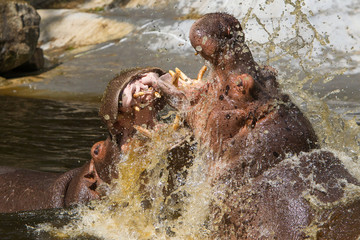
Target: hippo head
[239, 113]
[130, 102]
[105, 155]
[119, 112]
[218, 38]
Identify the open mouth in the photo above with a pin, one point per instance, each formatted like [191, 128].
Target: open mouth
[127, 97]
[133, 99]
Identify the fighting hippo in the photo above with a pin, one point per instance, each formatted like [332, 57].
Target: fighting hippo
[248, 128]
[129, 104]
[24, 190]
[245, 121]
[271, 179]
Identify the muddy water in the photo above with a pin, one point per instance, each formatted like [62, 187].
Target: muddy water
[56, 135]
[48, 136]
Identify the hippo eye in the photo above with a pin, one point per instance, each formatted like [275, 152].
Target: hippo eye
[97, 149]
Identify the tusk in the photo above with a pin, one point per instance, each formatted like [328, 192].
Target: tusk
[177, 144]
[172, 73]
[176, 124]
[201, 73]
[138, 94]
[182, 75]
[145, 132]
[175, 79]
[136, 108]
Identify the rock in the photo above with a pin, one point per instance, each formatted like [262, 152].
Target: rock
[94, 4]
[19, 33]
[35, 63]
[71, 28]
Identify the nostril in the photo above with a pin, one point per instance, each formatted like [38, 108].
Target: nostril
[90, 175]
[93, 186]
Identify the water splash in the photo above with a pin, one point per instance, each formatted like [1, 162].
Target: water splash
[139, 205]
[150, 199]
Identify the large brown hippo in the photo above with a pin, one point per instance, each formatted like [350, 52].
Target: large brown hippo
[248, 128]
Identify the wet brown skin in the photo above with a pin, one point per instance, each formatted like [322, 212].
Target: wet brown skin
[239, 113]
[281, 203]
[25, 190]
[249, 126]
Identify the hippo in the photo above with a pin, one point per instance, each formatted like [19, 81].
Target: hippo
[271, 179]
[131, 105]
[245, 121]
[25, 190]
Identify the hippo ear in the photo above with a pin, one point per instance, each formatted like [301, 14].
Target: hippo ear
[83, 186]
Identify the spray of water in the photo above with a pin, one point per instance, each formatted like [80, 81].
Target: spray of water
[152, 201]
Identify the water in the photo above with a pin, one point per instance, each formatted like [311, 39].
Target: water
[318, 67]
[44, 135]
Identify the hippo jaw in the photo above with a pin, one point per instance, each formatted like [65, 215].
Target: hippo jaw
[129, 105]
[112, 98]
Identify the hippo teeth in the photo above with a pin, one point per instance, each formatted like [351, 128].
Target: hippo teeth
[157, 95]
[201, 73]
[179, 77]
[138, 94]
[175, 78]
[182, 75]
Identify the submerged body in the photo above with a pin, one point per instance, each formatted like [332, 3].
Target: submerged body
[25, 190]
